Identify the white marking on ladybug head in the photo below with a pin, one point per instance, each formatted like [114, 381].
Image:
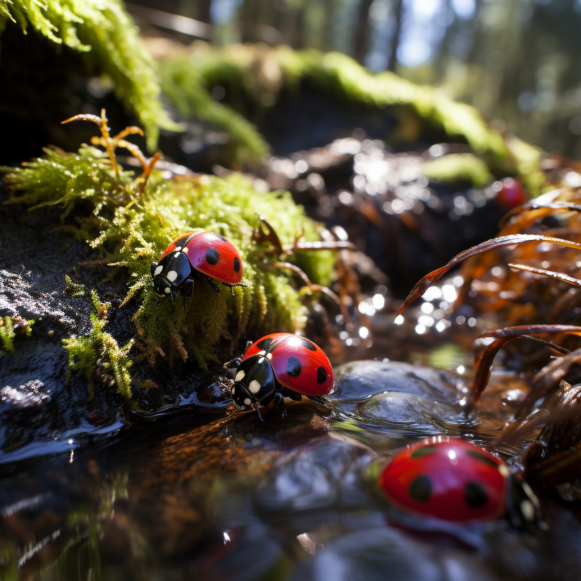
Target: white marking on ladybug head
[260, 360]
[185, 249]
[240, 375]
[529, 492]
[247, 401]
[233, 390]
[172, 275]
[269, 356]
[167, 290]
[263, 353]
[528, 510]
[158, 270]
[504, 471]
[254, 386]
[178, 250]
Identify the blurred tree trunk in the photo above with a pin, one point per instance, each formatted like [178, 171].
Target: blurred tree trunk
[327, 32]
[361, 34]
[204, 12]
[396, 35]
[479, 35]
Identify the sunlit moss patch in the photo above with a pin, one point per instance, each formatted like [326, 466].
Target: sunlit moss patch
[100, 348]
[260, 74]
[131, 222]
[10, 326]
[458, 167]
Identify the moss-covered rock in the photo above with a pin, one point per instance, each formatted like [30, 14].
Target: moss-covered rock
[131, 221]
[260, 76]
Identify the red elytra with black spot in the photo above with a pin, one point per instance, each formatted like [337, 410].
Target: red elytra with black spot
[511, 193]
[211, 254]
[451, 480]
[297, 363]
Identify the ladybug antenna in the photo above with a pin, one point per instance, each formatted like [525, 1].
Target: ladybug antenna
[157, 302]
[259, 414]
[173, 294]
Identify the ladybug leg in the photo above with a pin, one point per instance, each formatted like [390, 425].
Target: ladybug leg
[187, 290]
[187, 287]
[233, 363]
[152, 269]
[248, 345]
[238, 360]
[279, 403]
[285, 392]
[258, 412]
[212, 284]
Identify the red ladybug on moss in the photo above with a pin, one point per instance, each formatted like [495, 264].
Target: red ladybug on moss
[196, 255]
[278, 366]
[457, 482]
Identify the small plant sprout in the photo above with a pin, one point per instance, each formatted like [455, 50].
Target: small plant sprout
[112, 143]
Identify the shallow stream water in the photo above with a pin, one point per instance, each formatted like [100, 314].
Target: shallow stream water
[225, 496]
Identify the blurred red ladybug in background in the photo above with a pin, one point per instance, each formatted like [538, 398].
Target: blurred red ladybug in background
[510, 193]
[455, 481]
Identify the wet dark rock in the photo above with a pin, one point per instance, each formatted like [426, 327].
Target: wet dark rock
[359, 380]
[385, 553]
[410, 411]
[29, 395]
[40, 411]
[321, 474]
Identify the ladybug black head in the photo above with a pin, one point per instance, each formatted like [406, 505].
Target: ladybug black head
[241, 397]
[523, 506]
[162, 287]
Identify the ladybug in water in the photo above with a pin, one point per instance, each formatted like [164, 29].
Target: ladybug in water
[196, 254]
[278, 366]
[457, 482]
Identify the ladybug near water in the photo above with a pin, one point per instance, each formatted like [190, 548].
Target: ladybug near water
[196, 255]
[278, 366]
[454, 481]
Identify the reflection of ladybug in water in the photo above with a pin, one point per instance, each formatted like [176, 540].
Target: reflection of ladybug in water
[196, 254]
[278, 366]
[458, 482]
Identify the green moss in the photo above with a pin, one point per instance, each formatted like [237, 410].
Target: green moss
[132, 227]
[186, 89]
[259, 74]
[7, 334]
[108, 37]
[458, 167]
[75, 290]
[9, 326]
[8, 561]
[100, 348]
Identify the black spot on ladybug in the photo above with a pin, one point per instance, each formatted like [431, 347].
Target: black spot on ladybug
[424, 451]
[307, 344]
[475, 494]
[236, 264]
[321, 375]
[421, 488]
[293, 366]
[482, 457]
[265, 344]
[212, 256]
